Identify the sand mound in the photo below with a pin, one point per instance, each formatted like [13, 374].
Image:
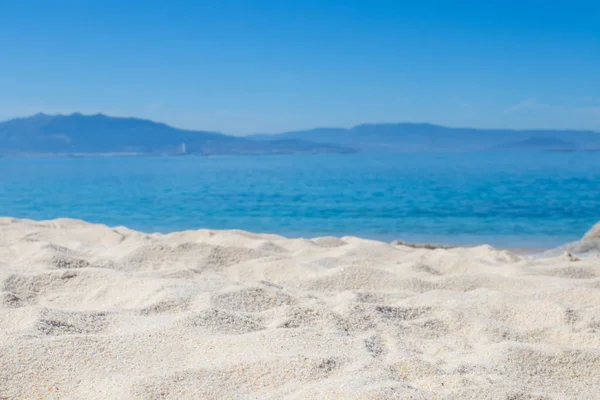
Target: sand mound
[589, 243]
[593, 233]
[88, 311]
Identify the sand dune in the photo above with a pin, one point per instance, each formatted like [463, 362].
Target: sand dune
[92, 312]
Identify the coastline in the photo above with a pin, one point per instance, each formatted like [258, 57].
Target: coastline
[90, 311]
[331, 195]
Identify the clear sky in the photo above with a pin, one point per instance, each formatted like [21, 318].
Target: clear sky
[276, 65]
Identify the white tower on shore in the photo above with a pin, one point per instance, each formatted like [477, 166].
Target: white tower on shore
[183, 149]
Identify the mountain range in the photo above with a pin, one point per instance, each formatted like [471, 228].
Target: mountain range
[101, 134]
[427, 137]
[78, 134]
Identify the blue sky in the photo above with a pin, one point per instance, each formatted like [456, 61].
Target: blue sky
[269, 66]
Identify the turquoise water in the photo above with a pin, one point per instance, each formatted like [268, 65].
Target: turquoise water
[505, 199]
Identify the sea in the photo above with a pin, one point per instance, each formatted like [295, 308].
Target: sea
[505, 199]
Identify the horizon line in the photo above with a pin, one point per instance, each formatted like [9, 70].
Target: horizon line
[77, 113]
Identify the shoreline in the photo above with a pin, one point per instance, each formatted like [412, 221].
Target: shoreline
[437, 242]
[540, 243]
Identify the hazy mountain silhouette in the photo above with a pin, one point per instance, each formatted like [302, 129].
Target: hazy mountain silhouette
[427, 137]
[77, 133]
[93, 134]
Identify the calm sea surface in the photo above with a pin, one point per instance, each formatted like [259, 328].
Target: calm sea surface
[504, 199]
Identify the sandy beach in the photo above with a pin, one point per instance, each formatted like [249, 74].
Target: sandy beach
[93, 312]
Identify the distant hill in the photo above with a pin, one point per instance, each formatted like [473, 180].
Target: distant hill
[427, 137]
[78, 134]
[95, 134]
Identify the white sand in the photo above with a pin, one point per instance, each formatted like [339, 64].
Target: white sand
[91, 312]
